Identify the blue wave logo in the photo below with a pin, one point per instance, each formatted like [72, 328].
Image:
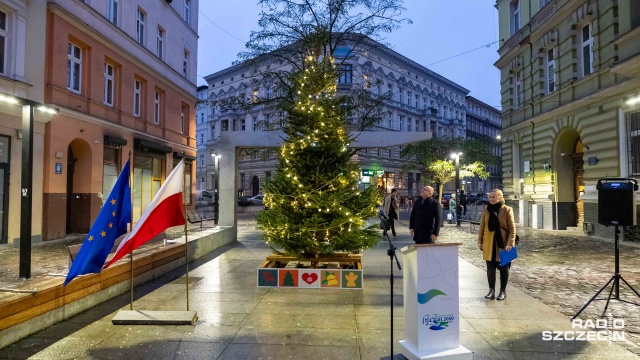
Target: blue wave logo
[426, 297]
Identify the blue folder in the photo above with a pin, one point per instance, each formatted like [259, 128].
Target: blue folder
[508, 256]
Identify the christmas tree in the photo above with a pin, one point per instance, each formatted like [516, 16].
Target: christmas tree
[288, 280]
[315, 206]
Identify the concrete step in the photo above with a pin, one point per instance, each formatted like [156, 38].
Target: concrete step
[575, 229]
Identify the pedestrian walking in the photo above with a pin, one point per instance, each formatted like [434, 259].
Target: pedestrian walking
[463, 202]
[391, 208]
[452, 209]
[424, 222]
[409, 205]
[497, 231]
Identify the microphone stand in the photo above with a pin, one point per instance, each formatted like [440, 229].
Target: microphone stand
[392, 254]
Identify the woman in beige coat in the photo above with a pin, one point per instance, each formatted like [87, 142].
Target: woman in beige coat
[495, 216]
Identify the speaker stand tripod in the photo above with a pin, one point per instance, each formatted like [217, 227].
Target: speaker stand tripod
[616, 277]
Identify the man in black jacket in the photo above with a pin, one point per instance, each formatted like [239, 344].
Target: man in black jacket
[424, 224]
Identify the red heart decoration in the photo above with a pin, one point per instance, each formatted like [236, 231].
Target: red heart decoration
[309, 278]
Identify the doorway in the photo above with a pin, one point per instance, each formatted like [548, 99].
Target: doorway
[578, 170]
[5, 145]
[71, 166]
[255, 186]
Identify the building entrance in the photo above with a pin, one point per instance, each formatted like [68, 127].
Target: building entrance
[5, 143]
[578, 171]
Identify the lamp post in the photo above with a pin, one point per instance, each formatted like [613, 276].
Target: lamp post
[216, 202]
[456, 156]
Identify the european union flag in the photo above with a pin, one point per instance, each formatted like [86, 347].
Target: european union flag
[111, 223]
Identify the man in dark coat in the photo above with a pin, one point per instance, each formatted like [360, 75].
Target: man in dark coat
[424, 224]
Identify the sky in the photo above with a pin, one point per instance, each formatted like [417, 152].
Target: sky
[441, 29]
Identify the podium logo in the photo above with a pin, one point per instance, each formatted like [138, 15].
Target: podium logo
[437, 322]
[426, 297]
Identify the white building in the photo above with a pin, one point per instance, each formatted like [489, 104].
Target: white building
[484, 123]
[422, 101]
[22, 66]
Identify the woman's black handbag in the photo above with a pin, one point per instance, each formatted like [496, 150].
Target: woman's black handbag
[386, 223]
[517, 239]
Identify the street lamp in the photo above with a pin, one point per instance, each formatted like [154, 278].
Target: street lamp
[456, 157]
[216, 189]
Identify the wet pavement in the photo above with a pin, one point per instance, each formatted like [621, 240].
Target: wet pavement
[554, 276]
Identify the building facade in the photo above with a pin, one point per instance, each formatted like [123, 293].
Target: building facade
[570, 73]
[123, 75]
[484, 123]
[421, 101]
[22, 61]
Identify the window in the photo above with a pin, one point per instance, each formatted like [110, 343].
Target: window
[201, 138]
[551, 71]
[389, 152]
[224, 125]
[187, 3]
[185, 63]
[113, 11]
[409, 97]
[515, 16]
[74, 67]
[346, 75]
[201, 160]
[390, 121]
[183, 119]
[409, 121]
[140, 27]
[243, 125]
[108, 84]
[269, 91]
[137, 96]
[587, 50]
[255, 123]
[518, 90]
[213, 130]
[633, 143]
[156, 108]
[3, 40]
[543, 3]
[159, 42]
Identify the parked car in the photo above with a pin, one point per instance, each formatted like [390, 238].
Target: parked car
[204, 198]
[445, 200]
[483, 199]
[257, 200]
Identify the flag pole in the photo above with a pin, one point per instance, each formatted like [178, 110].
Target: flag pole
[186, 240]
[131, 228]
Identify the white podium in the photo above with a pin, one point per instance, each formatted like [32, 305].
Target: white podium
[431, 303]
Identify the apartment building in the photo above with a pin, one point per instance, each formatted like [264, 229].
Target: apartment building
[570, 75]
[22, 61]
[421, 101]
[484, 123]
[123, 76]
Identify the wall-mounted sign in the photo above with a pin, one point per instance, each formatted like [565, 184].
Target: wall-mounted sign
[380, 172]
[368, 172]
[545, 167]
[593, 160]
[58, 168]
[527, 166]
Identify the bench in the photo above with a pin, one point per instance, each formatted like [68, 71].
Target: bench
[474, 217]
[195, 217]
[75, 249]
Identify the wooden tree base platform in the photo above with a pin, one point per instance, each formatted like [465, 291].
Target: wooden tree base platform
[350, 261]
[338, 271]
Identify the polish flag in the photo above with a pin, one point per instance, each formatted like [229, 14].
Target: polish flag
[164, 212]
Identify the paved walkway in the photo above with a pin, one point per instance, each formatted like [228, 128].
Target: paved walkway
[237, 320]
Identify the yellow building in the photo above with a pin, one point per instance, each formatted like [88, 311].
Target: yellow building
[570, 74]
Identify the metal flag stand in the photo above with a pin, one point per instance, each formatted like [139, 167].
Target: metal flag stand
[160, 317]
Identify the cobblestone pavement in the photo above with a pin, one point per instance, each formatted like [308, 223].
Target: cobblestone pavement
[564, 270]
